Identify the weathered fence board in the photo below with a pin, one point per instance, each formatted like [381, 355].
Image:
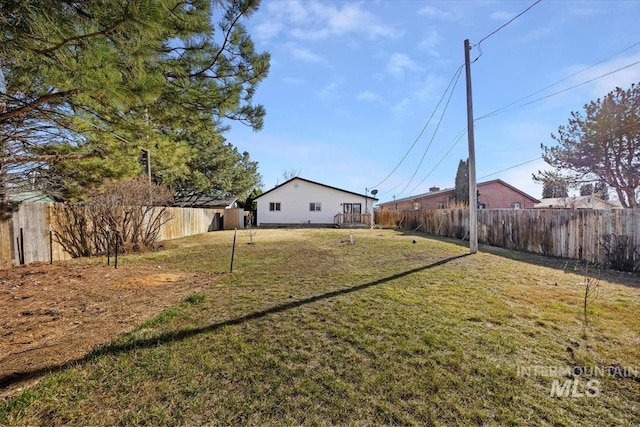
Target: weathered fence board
[35, 219]
[188, 221]
[6, 239]
[575, 234]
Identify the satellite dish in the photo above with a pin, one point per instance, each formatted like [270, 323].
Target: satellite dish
[374, 192]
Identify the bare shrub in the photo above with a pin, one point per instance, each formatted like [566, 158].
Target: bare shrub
[130, 213]
[75, 231]
[619, 252]
[456, 204]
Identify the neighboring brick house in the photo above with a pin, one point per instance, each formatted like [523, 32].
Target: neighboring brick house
[494, 194]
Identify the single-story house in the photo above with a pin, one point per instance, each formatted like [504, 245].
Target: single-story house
[494, 194]
[198, 200]
[300, 201]
[576, 202]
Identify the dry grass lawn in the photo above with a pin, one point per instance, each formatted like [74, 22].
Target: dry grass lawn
[310, 329]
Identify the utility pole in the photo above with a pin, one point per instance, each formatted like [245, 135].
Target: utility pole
[473, 190]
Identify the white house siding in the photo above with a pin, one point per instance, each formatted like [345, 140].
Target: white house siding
[294, 198]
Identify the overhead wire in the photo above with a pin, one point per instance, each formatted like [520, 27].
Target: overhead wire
[501, 27]
[457, 77]
[616, 130]
[506, 107]
[495, 112]
[456, 73]
[459, 137]
[455, 142]
[511, 167]
[579, 84]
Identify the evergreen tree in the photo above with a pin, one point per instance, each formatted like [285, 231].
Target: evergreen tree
[87, 85]
[603, 143]
[461, 190]
[601, 190]
[586, 189]
[217, 169]
[554, 185]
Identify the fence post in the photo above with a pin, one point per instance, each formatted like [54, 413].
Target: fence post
[115, 262]
[108, 245]
[21, 247]
[50, 244]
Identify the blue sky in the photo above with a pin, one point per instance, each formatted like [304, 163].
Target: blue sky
[353, 83]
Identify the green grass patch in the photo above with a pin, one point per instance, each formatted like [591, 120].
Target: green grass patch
[310, 329]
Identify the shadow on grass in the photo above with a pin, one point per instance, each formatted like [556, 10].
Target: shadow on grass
[567, 265]
[168, 337]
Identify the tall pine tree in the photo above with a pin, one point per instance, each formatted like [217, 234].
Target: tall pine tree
[87, 85]
[603, 143]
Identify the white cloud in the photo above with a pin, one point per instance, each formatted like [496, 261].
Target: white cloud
[292, 80]
[401, 108]
[584, 11]
[502, 15]
[432, 12]
[367, 95]
[306, 55]
[290, 10]
[603, 84]
[430, 43]
[429, 85]
[267, 30]
[399, 63]
[330, 91]
[534, 35]
[316, 20]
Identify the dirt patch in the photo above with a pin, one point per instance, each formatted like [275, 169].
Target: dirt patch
[54, 314]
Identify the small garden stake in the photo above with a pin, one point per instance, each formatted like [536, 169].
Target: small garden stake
[233, 250]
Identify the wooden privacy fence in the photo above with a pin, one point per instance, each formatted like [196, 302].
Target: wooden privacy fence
[576, 233]
[25, 237]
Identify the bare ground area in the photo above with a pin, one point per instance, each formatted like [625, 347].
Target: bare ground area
[55, 314]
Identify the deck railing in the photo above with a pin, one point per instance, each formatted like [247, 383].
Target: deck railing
[345, 218]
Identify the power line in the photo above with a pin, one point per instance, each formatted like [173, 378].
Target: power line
[456, 73]
[509, 21]
[462, 134]
[511, 167]
[579, 84]
[506, 107]
[435, 131]
[455, 142]
[502, 26]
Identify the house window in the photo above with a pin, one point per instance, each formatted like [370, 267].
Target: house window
[440, 205]
[315, 206]
[515, 206]
[274, 206]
